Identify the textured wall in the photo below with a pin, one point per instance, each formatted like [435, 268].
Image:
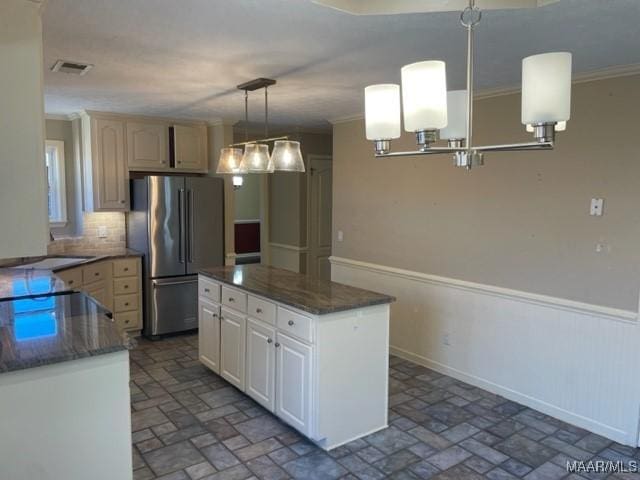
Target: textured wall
[522, 220]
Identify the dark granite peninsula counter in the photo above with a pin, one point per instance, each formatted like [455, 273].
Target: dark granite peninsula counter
[71, 259]
[315, 353]
[64, 383]
[18, 283]
[315, 296]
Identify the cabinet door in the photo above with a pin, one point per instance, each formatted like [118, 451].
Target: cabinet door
[261, 363]
[110, 174]
[190, 147]
[147, 146]
[293, 382]
[209, 335]
[232, 347]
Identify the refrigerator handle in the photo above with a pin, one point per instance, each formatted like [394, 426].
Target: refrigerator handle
[181, 222]
[190, 220]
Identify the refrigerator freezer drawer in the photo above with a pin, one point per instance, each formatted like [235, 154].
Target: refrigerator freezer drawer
[174, 305]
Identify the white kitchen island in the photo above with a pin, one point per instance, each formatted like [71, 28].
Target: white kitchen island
[314, 353]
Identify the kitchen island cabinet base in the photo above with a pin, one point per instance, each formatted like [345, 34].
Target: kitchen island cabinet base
[325, 375]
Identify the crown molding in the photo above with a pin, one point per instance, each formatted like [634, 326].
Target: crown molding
[57, 116]
[583, 77]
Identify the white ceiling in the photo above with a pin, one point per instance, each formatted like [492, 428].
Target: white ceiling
[184, 58]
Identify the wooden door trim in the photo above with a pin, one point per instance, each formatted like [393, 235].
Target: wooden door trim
[310, 158]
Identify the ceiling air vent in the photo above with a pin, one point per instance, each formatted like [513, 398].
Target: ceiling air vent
[74, 68]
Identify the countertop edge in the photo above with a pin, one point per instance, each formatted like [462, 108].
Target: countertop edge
[313, 311]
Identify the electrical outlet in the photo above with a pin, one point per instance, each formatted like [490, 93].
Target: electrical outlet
[340, 235]
[446, 340]
[597, 207]
[102, 231]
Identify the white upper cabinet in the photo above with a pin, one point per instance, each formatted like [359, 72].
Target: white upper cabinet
[190, 147]
[147, 146]
[106, 177]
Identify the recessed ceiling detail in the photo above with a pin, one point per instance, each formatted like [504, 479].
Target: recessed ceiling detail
[391, 7]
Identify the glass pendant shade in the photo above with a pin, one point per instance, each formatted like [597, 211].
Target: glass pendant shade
[382, 111]
[424, 96]
[287, 157]
[456, 116]
[256, 158]
[546, 88]
[230, 161]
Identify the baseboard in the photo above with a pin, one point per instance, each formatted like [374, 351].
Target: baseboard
[529, 401]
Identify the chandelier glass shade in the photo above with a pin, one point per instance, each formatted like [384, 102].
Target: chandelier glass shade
[431, 112]
[256, 158]
[287, 157]
[231, 162]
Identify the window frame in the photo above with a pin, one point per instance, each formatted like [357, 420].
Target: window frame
[59, 180]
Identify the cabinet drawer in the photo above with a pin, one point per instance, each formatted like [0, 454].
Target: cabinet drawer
[261, 309]
[125, 285]
[126, 303]
[233, 298]
[94, 273]
[209, 290]
[72, 278]
[128, 320]
[295, 324]
[125, 267]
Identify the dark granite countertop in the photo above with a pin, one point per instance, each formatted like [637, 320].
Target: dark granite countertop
[52, 329]
[318, 297]
[18, 283]
[83, 257]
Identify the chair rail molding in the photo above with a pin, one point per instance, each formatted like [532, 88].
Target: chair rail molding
[572, 360]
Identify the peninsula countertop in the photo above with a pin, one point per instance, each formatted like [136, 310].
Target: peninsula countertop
[76, 258]
[318, 297]
[37, 331]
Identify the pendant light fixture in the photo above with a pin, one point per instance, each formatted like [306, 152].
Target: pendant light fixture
[430, 111]
[286, 156]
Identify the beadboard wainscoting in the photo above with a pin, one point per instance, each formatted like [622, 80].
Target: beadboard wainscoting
[289, 257]
[571, 360]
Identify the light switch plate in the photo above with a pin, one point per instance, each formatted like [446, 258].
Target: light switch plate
[340, 235]
[597, 207]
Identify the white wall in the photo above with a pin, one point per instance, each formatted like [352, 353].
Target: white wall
[574, 361]
[23, 191]
[68, 421]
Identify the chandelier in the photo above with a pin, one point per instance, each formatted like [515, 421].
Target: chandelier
[286, 155]
[431, 112]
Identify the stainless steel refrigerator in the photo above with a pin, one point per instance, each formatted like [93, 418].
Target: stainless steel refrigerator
[178, 223]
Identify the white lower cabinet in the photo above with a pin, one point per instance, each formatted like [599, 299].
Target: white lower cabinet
[293, 382]
[261, 363]
[325, 375]
[232, 346]
[209, 334]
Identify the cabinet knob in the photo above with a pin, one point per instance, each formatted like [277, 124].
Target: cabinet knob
[258, 310]
[126, 286]
[126, 269]
[215, 315]
[162, 162]
[126, 304]
[96, 274]
[206, 290]
[291, 323]
[179, 161]
[277, 345]
[122, 201]
[71, 282]
[231, 299]
[269, 340]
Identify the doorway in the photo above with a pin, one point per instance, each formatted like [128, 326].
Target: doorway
[319, 186]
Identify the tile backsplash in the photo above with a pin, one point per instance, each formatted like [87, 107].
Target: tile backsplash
[114, 229]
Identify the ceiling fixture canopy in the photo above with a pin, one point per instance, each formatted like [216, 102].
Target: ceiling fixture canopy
[286, 156]
[431, 112]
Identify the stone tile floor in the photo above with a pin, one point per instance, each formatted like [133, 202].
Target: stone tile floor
[189, 424]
